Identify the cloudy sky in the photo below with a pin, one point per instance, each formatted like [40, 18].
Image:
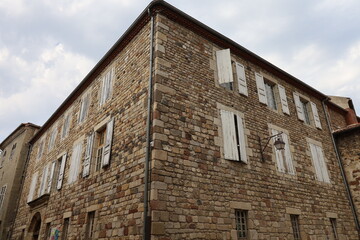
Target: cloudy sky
[48, 46]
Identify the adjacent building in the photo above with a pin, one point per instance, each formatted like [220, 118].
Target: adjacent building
[171, 136]
[13, 159]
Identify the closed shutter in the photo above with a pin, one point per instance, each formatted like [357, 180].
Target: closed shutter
[32, 187]
[224, 68]
[316, 162]
[61, 172]
[84, 107]
[261, 88]
[75, 162]
[2, 195]
[316, 115]
[241, 133]
[240, 71]
[229, 135]
[322, 165]
[279, 156]
[88, 153]
[108, 142]
[283, 99]
[288, 158]
[299, 107]
[51, 176]
[43, 182]
[103, 91]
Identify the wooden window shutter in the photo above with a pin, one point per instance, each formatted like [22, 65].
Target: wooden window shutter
[322, 165]
[240, 71]
[283, 99]
[103, 91]
[75, 162]
[279, 157]
[316, 162]
[241, 133]
[88, 153]
[229, 135]
[85, 102]
[261, 88]
[32, 187]
[316, 115]
[51, 176]
[299, 107]
[224, 68]
[288, 160]
[44, 178]
[108, 142]
[61, 172]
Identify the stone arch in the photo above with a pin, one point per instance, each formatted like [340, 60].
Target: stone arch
[34, 227]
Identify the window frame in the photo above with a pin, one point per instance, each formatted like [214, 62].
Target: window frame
[295, 225]
[90, 225]
[65, 129]
[107, 86]
[272, 101]
[84, 107]
[242, 224]
[319, 161]
[65, 229]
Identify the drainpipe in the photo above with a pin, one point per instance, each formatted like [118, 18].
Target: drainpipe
[343, 174]
[147, 217]
[20, 192]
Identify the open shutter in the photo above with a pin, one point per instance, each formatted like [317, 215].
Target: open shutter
[316, 115]
[279, 156]
[299, 107]
[315, 158]
[108, 142]
[61, 172]
[283, 99]
[261, 88]
[288, 158]
[241, 133]
[322, 165]
[224, 67]
[51, 176]
[32, 187]
[229, 135]
[44, 178]
[88, 153]
[240, 72]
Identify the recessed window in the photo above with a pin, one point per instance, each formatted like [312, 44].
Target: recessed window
[2, 194]
[41, 148]
[90, 225]
[48, 230]
[52, 138]
[319, 164]
[66, 126]
[241, 219]
[295, 226]
[12, 151]
[65, 229]
[334, 228]
[106, 86]
[100, 147]
[283, 157]
[84, 108]
[270, 94]
[306, 109]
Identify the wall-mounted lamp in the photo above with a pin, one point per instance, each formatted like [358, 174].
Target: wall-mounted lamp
[279, 144]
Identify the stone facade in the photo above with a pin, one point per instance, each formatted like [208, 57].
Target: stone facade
[194, 190]
[15, 149]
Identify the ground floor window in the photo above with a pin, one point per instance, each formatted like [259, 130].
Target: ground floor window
[241, 218]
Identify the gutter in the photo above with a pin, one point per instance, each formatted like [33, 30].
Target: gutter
[343, 174]
[147, 179]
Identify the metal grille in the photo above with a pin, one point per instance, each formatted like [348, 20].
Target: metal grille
[295, 226]
[241, 224]
[333, 226]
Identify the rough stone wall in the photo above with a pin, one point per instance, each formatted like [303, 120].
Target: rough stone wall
[11, 175]
[195, 191]
[349, 149]
[115, 192]
[337, 119]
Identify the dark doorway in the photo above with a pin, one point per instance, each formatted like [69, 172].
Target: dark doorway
[34, 228]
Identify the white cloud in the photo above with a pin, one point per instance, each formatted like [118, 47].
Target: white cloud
[13, 7]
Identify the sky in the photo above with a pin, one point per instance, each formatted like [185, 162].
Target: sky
[48, 46]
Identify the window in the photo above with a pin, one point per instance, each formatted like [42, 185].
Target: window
[319, 163]
[32, 187]
[75, 162]
[84, 108]
[103, 145]
[233, 136]
[60, 171]
[270, 95]
[89, 234]
[100, 147]
[88, 154]
[106, 86]
[334, 229]
[65, 229]
[305, 107]
[48, 231]
[307, 111]
[12, 151]
[41, 148]
[52, 138]
[283, 157]
[66, 126]
[241, 219]
[43, 182]
[295, 226]
[2, 195]
[3, 155]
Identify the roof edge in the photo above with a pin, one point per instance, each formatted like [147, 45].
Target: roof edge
[22, 125]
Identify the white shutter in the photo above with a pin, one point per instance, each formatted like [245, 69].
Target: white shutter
[316, 115]
[241, 134]
[224, 68]
[84, 107]
[44, 178]
[240, 72]
[288, 158]
[315, 158]
[229, 135]
[299, 107]
[75, 162]
[61, 172]
[279, 156]
[322, 164]
[88, 153]
[261, 88]
[283, 99]
[103, 91]
[108, 142]
[51, 176]
[32, 187]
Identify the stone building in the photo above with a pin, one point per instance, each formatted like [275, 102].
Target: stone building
[14, 152]
[167, 136]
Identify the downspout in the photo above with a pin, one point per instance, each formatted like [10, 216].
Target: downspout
[30, 146]
[343, 174]
[147, 217]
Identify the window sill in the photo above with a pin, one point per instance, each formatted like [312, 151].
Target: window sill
[42, 200]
